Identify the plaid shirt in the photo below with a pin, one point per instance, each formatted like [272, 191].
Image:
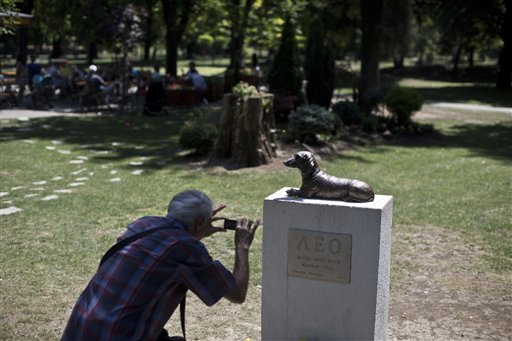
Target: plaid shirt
[134, 293]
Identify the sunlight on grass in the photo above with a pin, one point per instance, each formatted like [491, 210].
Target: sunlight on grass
[423, 83]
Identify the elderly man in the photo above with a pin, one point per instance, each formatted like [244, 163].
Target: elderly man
[137, 288]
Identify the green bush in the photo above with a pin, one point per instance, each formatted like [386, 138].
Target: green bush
[348, 112]
[199, 136]
[305, 122]
[402, 103]
[242, 91]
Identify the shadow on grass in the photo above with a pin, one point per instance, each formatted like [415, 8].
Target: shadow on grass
[126, 138]
[491, 141]
[109, 138]
[475, 84]
[480, 94]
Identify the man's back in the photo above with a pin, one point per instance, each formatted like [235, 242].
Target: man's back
[135, 291]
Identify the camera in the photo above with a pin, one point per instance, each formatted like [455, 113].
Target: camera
[229, 224]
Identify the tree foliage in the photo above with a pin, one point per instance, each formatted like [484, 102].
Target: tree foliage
[8, 22]
[421, 28]
[239, 16]
[210, 19]
[341, 20]
[463, 26]
[396, 30]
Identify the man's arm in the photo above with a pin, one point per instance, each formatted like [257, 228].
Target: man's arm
[244, 236]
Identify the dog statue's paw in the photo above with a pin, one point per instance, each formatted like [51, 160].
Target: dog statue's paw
[293, 192]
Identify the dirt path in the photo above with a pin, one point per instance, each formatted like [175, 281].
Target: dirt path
[442, 290]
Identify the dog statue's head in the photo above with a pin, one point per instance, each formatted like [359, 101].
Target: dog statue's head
[304, 161]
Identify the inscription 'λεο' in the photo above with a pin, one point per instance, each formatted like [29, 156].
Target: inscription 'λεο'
[333, 245]
[319, 255]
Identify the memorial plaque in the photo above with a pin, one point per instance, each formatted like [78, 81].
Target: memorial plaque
[319, 255]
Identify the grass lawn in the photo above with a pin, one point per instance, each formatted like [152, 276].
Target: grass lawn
[80, 181]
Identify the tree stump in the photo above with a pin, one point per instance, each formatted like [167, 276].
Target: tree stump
[247, 130]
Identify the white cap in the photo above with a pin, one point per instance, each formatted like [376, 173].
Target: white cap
[93, 68]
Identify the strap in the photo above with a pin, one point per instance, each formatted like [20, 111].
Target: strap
[129, 240]
[182, 315]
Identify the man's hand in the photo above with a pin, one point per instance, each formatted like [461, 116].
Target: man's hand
[244, 233]
[212, 229]
[203, 227]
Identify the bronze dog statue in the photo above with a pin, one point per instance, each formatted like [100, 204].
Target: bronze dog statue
[318, 184]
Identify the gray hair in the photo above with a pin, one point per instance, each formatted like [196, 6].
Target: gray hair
[188, 206]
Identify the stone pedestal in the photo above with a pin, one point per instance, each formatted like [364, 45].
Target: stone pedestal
[325, 268]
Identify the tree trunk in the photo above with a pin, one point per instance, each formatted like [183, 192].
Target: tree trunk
[471, 57]
[22, 41]
[148, 39]
[92, 52]
[398, 62]
[223, 146]
[176, 14]
[420, 59]
[171, 53]
[370, 52]
[456, 60]
[238, 27]
[505, 57]
[246, 133]
[56, 49]
[25, 6]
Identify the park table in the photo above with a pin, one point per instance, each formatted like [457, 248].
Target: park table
[177, 93]
[181, 97]
[8, 74]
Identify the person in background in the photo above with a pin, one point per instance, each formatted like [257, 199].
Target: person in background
[76, 77]
[42, 90]
[56, 74]
[33, 69]
[136, 290]
[95, 82]
[196, 79]
[156, 76]
[154, 97]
